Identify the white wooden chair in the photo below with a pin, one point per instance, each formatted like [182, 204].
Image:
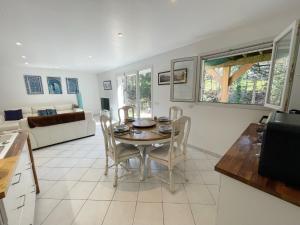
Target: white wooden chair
[175, 112]
[105, 112]
[125, 109]
[175, 152]
[117, 152]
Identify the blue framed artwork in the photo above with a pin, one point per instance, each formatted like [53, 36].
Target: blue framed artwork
[54, 85]
[34, 85]
[72, 85]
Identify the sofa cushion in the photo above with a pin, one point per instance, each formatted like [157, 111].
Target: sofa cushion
[26, 110]
[36, 108]
[10, 115]
[64, 111]
[9, 125]
[51, 112]
[64, 107]
[42, 112]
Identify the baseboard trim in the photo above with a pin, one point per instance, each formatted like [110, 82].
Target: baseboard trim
[205, 151]
[63, 142]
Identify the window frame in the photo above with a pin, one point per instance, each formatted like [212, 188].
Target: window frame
[243, 49]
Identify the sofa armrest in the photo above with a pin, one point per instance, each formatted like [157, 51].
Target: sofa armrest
[91, 123]
[23, 124]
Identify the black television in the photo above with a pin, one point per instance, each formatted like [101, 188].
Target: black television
[105, 104]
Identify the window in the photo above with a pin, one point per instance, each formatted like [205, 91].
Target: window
[237, 76]
[137, 90]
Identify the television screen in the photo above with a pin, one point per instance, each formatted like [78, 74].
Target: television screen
[105, 104]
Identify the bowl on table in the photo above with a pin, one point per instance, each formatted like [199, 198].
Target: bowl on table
[121, 128]
[163, 119]
[165, 129]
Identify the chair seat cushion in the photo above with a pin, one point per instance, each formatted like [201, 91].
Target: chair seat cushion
[162, 153]
[125, 150]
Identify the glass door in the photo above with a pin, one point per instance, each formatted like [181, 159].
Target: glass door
[284, 57]
[138, 92]
[130, 91]
[145, 95]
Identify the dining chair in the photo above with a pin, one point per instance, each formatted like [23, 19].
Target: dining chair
[119, 153]
[126, 110]
[105, 112]
[173, 153]
[175, 112]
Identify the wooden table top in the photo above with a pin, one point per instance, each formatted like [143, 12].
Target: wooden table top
[241, 163]
[150, 134]
[9, 162]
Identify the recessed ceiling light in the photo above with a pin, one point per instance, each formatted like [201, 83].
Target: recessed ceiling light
[173, 1]
[26, 63]
[120, 34]
[90, 56]
[23, 57]
[18, 43]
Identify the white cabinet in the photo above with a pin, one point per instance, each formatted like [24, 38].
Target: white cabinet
[18, 206]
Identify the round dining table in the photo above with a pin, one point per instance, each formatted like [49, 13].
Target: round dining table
[143, 137]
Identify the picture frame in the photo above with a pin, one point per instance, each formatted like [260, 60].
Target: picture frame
[164, 78]
[54, 85]
[34, 84]
[107, 85]
[72, 85]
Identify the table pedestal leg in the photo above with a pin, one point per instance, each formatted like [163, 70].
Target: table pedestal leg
[143, 163]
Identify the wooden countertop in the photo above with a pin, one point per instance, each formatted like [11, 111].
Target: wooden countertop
[241, 163]
[9, 162]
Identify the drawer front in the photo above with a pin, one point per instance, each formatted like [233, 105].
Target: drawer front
[29, 208]
[19, 203]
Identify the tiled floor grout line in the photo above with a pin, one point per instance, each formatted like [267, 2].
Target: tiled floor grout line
[50, 212]
[136, 202]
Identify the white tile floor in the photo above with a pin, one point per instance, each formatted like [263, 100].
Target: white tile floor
[74, 190]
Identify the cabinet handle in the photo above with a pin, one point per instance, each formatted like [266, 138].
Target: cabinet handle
[19, 178]
[23, 204]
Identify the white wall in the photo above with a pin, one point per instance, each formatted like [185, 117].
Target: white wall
[214, 127]
[13, 90]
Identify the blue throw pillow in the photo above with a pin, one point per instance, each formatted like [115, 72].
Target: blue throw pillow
[51, 112]
[10, 115]
[42, 112]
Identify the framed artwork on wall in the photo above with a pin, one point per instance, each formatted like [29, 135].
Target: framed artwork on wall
[72, 85]
[34, 85]
[107, 85]
[54, 85]
[180, 77]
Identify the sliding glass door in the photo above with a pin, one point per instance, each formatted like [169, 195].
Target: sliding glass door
[138, 92]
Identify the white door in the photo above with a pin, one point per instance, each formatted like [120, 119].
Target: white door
[284, 58]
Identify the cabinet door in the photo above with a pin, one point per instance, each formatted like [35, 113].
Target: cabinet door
[284, 58]
[183, 79]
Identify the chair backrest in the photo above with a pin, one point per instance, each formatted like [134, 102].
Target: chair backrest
[180, 134]
[105, 112]
[125, 109]
[175, 112]
[108, 133]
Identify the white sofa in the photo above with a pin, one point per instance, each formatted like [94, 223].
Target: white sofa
[32, 111]
[44, 136]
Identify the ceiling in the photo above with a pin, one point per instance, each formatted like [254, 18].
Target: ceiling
[62, 34]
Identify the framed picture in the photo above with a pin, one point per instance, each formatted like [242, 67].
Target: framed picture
[107, 85]
[34, 85]
[72, 85]
[54, 85]
[180, 77]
